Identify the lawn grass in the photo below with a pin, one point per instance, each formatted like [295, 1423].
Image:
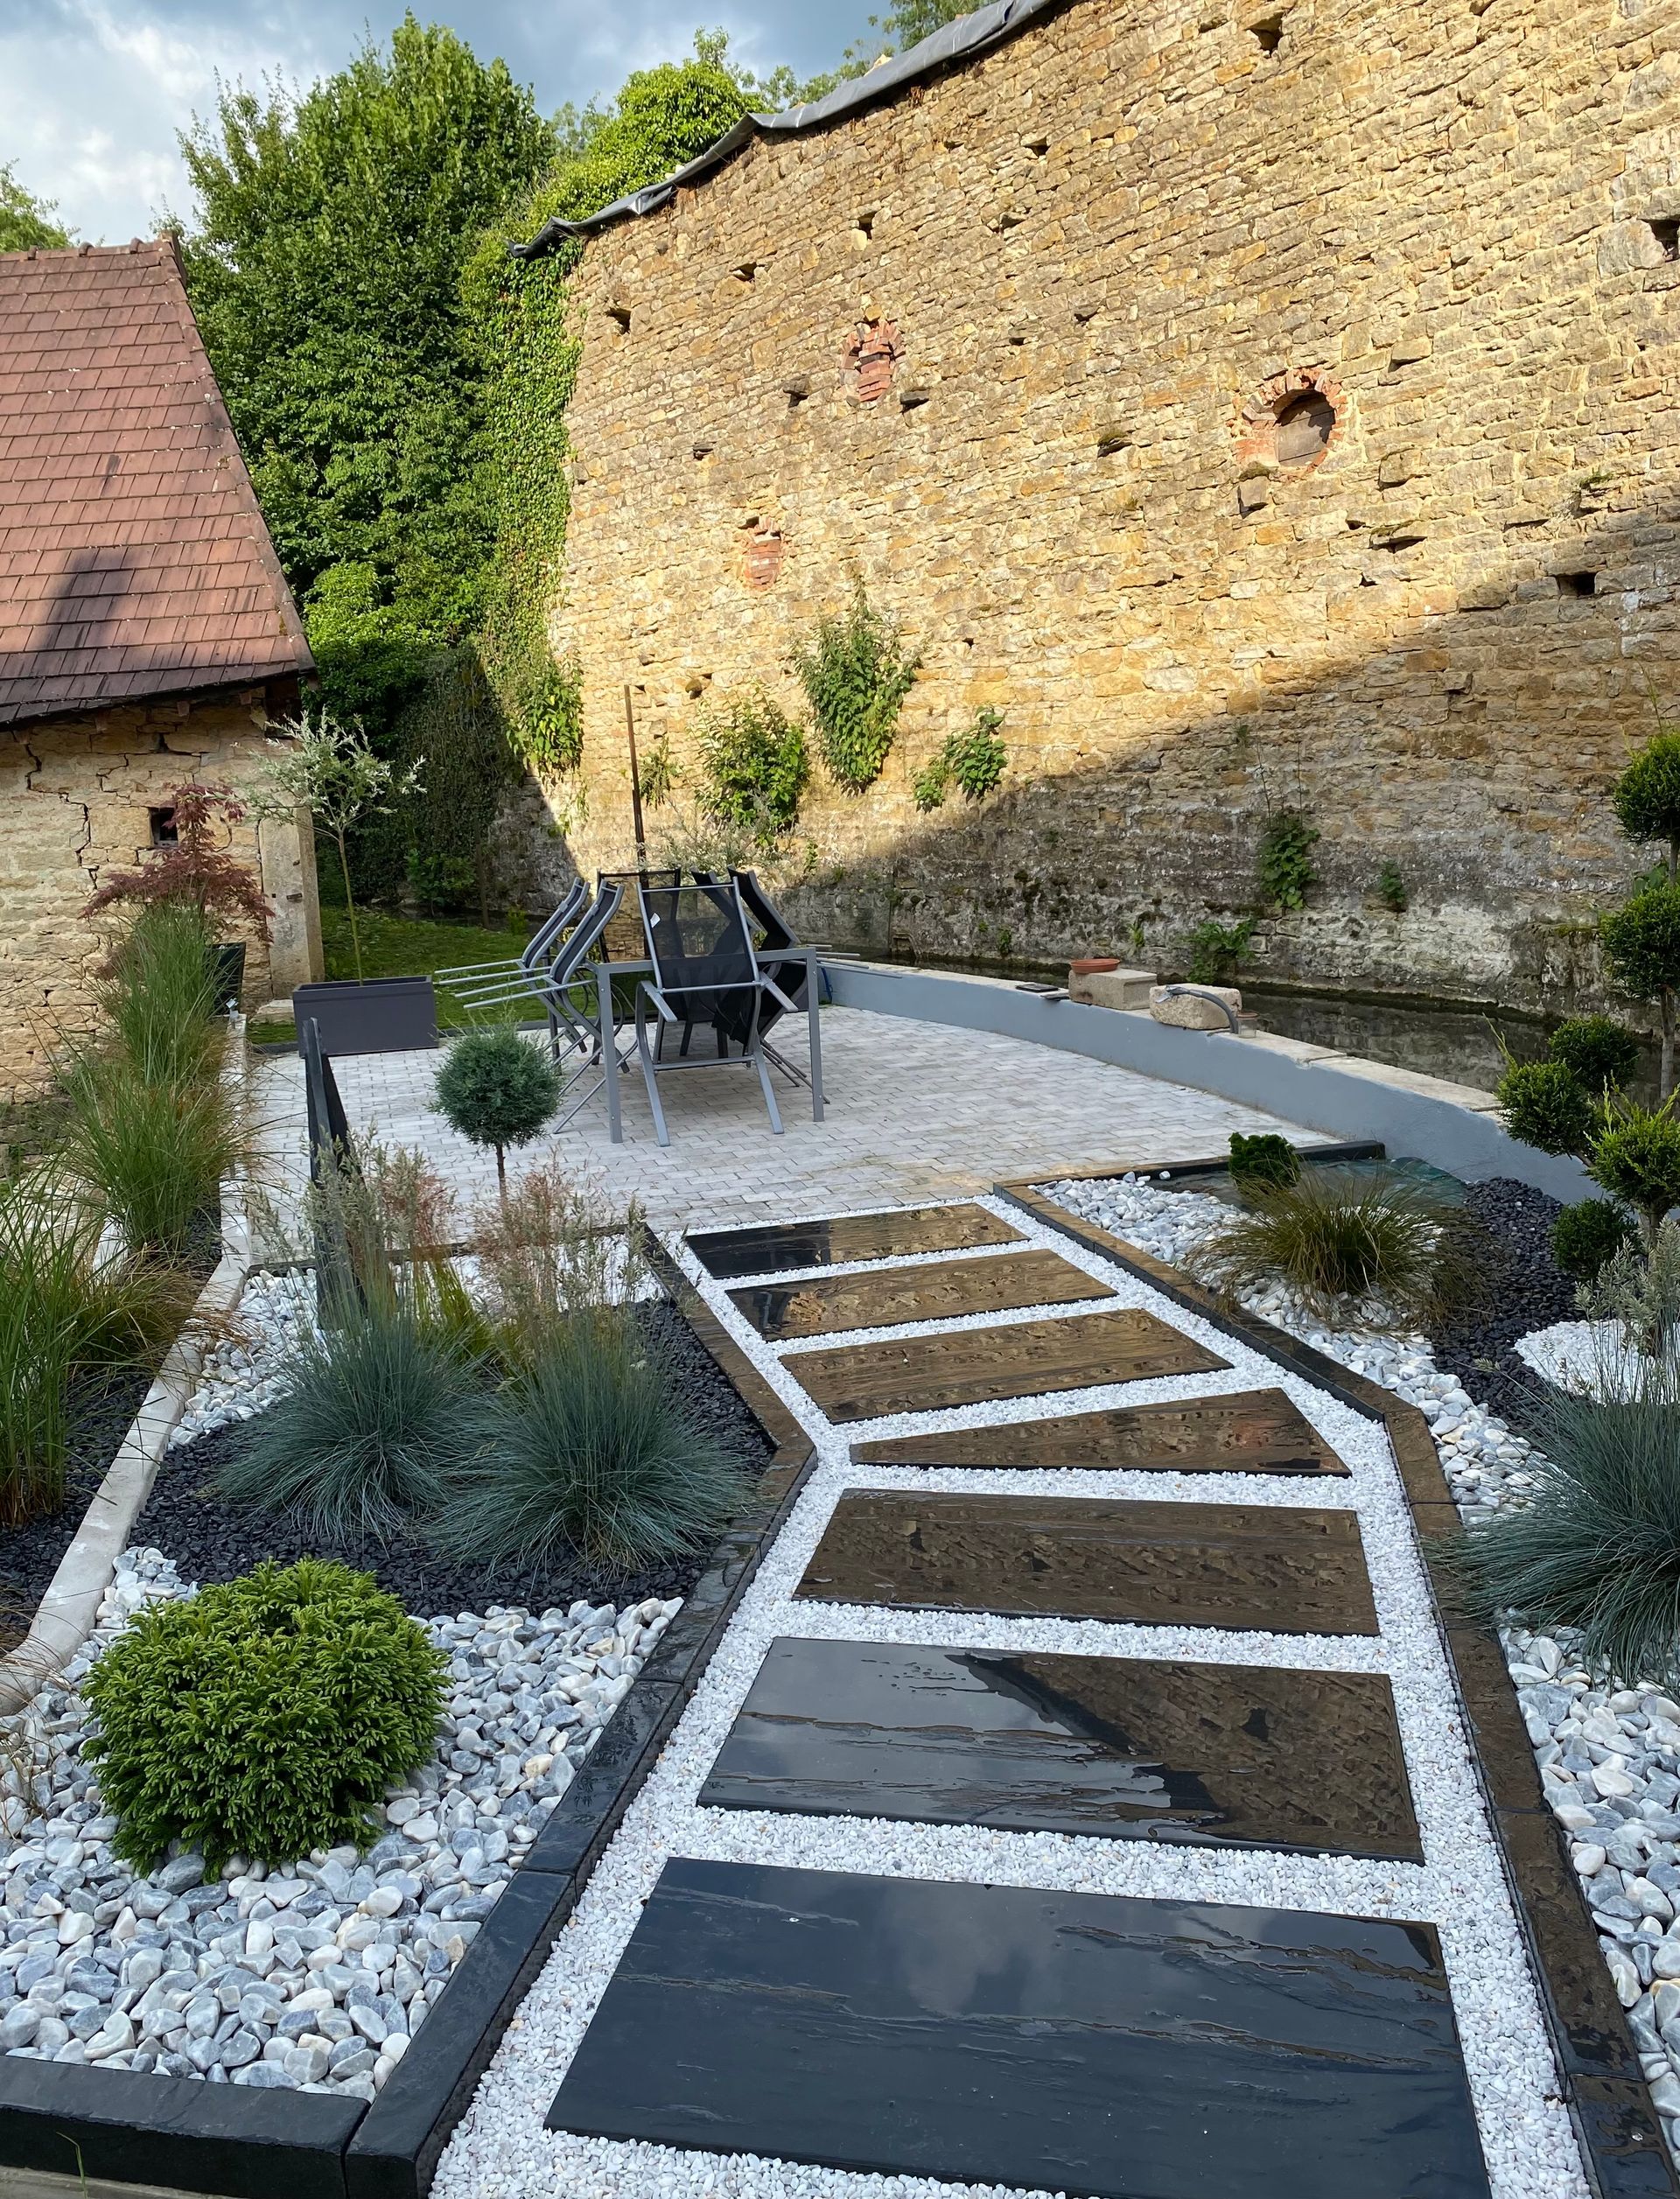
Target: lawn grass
[394, 946]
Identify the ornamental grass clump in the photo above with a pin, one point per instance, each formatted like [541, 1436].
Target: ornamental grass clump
[66, 1317]
[1596, 1548]
[588, 1451]
[1344, 1239]
[263, 1718]
[382, 1410]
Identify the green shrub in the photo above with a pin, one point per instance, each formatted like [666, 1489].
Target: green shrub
[1585, 1236]
[64, 1315]
[1391, 890]
[1263, 1163]
[1284, 864]
[972, 761]
[441, 882]
[752, 763]
[1340, 1238]
[1596, 1052]
[589, 1452]
[497, 1090]
[1545, 1105]
[1638, 1288]
[382, 1409]
[1217, 950]
[263, 1718]
[1647, 796]
[856, 674]
[1633, 1153]
[1597, 1547]
[1641, 951]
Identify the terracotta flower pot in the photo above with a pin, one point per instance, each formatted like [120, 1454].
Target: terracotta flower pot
[1093, 965]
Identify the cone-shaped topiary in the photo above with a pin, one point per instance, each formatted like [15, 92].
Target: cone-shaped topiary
[262, 1717]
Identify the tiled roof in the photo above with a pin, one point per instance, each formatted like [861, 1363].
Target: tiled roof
[134, 561]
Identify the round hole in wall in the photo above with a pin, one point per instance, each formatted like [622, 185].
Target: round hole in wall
[1304, 427]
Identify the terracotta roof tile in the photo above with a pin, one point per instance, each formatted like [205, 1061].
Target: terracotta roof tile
[133, 556]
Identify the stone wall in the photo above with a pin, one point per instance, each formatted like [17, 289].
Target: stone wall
[1045, 350]
[75, 797]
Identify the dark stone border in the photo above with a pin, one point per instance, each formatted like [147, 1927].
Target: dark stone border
[1609, 2099]
[128, 2128]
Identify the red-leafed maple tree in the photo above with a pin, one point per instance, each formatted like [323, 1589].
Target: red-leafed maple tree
[196, 867]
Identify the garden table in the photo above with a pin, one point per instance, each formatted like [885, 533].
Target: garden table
[608, 966]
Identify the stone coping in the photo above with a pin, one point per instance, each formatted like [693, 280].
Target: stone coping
[1603, 2083]
[70, 2128]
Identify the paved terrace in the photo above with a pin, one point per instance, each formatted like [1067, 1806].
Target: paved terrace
[916, 1111]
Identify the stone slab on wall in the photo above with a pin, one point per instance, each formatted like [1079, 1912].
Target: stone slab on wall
[75, 797]
[1037, 349]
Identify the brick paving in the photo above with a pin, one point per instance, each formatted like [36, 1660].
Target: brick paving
[916, 1111]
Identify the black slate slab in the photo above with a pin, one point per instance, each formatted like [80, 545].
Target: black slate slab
[1112, 2048]
[940, 1289]
[1253, 1431]
[1274, 1567]
[783, 1246]
[1018, 1359]
[1228, 1754]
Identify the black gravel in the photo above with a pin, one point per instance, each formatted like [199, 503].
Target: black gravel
[210, 1540]
[102, 1408]
[1526, 1290]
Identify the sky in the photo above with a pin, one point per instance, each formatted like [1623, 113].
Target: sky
[93, 92]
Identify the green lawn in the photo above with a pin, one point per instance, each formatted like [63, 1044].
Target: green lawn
[414, 947]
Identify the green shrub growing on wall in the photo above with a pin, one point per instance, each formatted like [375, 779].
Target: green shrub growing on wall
[1217, 950]
[263, 1717]
[972, 761]
[1284, 864]
[1391, 890]
[753, 764]
[856, 673]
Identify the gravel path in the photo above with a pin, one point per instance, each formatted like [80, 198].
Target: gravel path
[501, 2146]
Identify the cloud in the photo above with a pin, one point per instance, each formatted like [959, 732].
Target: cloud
[92, 96]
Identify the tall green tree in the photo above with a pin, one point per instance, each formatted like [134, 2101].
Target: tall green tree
[326, 271]
[25, 220]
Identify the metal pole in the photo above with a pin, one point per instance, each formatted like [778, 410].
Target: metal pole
[635, 781]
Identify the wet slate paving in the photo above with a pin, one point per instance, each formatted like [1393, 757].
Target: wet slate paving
[944, 1290]
[1273, 1568]
[1091, 2044]
[1227, 1755]
[1255, 1432]
[784, 1247]
[976, 1366]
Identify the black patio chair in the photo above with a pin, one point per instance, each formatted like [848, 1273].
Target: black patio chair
[773, 935]
[705, 971]
[482, 985]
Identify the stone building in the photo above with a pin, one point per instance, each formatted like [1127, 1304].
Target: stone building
[1264, 405]
[147, 636]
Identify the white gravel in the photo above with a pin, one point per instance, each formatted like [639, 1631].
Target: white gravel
[500, 2149]
[315, 1974]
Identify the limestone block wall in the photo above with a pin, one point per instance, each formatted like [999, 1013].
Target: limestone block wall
[75, 798]
[1262, 405]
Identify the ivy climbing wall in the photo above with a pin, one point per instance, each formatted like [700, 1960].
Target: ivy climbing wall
[1264, 409]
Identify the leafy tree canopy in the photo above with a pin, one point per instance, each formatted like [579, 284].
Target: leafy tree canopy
[326, 274]
[25, 219]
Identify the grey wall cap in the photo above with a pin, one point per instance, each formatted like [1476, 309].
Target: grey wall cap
[952, 43]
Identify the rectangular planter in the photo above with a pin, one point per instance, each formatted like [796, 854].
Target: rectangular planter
[384, 1015]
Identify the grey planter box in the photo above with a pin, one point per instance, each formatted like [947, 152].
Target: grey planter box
[386, 1015]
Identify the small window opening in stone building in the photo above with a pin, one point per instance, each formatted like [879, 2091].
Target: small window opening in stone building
[796, 393]
[1268, 32]
[1667, 233]
[1577, 583]
[164, 832]
[619, 317]
[1304, 427]
[1037, 146]
[863, 227]
[702, 450]
[912, 399]
[748, 272]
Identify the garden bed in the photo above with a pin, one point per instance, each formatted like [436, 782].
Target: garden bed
[311, 1981]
